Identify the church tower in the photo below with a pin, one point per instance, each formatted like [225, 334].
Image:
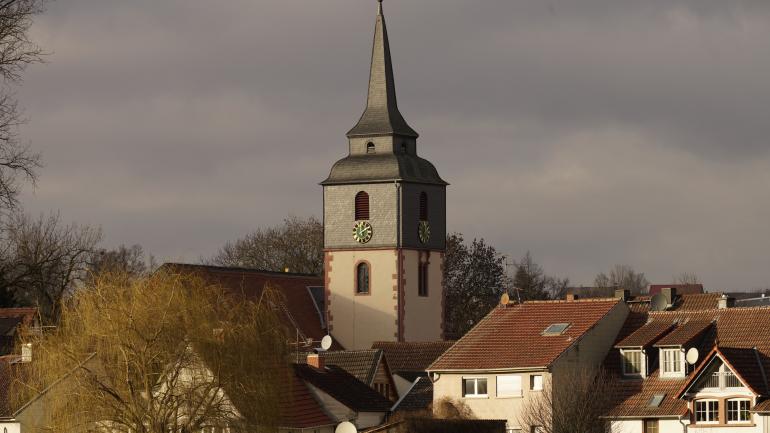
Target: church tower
[384, 225]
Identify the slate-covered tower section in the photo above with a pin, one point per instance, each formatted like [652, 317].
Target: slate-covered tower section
[384, 225]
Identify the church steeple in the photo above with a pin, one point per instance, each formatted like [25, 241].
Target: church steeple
[381, 116]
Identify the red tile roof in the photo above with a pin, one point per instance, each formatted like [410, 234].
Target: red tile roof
[299, 309]
[647, 334]
[302, 411]
[734, 331]
[411, 356]
[763, 406]
[512, 336]
[684, 333]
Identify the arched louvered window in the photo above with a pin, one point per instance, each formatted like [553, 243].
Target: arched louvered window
[362, 206]
[370, 147]
[423, 206]
[362, 279]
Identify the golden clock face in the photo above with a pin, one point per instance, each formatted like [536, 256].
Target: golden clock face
[362, 232]
[423, 231]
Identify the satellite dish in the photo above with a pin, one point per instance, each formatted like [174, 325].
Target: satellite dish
[658, 302]
[326, 343]
[504, 299]
[692, 356]
[346, 427]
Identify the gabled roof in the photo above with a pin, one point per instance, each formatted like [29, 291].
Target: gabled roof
[298, 309]
[646, 335]
[418, 397]
[512, 337]
[734, 331]
[411, 357]
[343, 387]
[744, 363]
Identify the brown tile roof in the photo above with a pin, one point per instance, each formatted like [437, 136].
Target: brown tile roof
[696, 302]
[648, 334]
[411, 356]
[302, 410]
[343, 387]
[684, 333]
[299, 309]
[734, 328]
[763, 406]
[362, 364]
[746, 363]
[512, 336]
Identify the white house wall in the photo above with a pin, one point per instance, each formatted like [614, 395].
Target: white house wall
[761, 425]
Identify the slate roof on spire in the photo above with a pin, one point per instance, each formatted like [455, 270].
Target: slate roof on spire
[381, 116]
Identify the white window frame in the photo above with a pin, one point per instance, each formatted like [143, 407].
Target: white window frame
[666, 362]
[475, 393]
[737, 400]
[641, 372]
[515, 393]
[706, 401]
[532, 383]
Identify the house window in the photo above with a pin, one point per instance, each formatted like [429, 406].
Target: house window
[632, 362]
[370, 147]
[651, 426]
[537, 429]
[423, 206]
[738, 410]
[362, 278]
[509, 386]
[556, 329]
[707, 411]
[672, 362]
[513, 430]
[474, 387]
[536, 382]
[422, 279]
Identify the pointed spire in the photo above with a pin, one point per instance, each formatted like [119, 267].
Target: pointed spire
[381, 116]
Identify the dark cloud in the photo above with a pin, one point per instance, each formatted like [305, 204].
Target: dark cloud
[592, 132]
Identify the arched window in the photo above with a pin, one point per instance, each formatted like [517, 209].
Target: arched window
[422, 279]
[362, 206]
[370, 147]
[423, 206]
[362, 279]
[404, 147]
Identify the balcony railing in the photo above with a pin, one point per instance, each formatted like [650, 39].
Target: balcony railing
[722, 380]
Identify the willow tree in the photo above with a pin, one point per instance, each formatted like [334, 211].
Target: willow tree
[164, 353]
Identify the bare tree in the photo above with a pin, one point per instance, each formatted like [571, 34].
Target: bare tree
[129, 260]
[687, 278]
[296, 245]
[17, 51]
[43, 260]
[623, 277]
[162, 353]
[570, 402]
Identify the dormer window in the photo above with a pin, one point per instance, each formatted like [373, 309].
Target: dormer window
[672, 362]
[633, 362]
[370, 147]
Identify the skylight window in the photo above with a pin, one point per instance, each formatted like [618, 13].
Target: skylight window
[656, 400]
[556, 329]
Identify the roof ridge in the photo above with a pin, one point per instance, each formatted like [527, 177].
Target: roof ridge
[240, 269]
[564, 301]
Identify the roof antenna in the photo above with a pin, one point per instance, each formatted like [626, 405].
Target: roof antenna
[379, 7]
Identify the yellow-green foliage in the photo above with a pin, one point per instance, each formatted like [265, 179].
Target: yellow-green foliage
[164, 353]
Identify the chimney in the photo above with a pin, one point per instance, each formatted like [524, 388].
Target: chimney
[572, 297]
[725, 302]
[670, 294]
[315, 360]
[622, 294]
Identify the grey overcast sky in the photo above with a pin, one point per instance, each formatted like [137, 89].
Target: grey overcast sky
[589, 132]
